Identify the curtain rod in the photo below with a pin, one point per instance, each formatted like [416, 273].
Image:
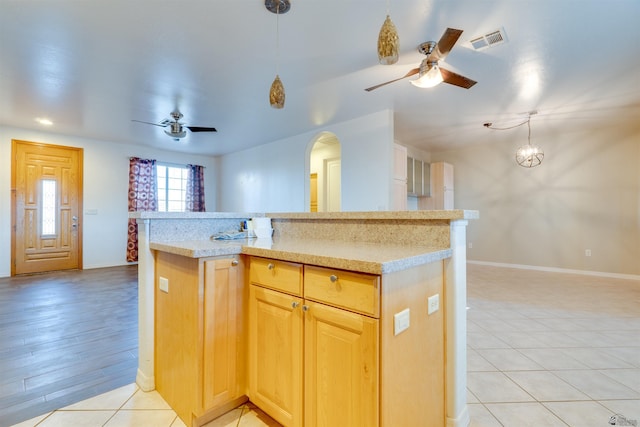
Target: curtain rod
[167, 163]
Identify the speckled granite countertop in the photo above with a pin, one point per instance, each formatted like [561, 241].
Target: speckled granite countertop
[374, 258]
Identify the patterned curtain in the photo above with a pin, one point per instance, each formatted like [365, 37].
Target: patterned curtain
[195, 189]
[142, 197]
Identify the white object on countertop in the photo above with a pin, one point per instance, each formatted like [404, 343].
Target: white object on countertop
[261, 222]
[262, 233]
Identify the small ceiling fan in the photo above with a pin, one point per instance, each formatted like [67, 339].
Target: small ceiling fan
[430, 73]
[176, 129]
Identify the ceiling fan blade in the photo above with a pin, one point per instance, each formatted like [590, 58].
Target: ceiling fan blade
[445, 44]
[409, 74]
[456, 79]
[149, 123]
[200, 129]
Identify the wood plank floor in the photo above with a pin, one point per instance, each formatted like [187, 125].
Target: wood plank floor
[64, 337]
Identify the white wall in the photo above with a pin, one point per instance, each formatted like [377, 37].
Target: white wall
[585, 195]
[106, 170]
[275, 177]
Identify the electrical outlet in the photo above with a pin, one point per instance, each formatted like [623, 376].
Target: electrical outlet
[587, 252]
[163, 284]
[434, 304]
[401, 321]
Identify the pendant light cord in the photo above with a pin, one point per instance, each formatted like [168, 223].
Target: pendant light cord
[278, 38]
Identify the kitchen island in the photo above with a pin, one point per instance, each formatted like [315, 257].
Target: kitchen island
[378, 252]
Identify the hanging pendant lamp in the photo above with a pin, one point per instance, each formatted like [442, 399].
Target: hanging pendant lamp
[529, 156]
[388, 42]
[276, 93]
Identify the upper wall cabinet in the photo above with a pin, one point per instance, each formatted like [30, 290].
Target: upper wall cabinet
[418, 177]
[399, 201]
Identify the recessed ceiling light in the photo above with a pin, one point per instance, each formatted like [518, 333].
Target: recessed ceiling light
[44, 121]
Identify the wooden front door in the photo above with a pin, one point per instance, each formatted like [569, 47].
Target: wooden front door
[46, 184]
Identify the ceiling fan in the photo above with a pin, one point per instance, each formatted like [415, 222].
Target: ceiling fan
[430, 73]
[176, 129]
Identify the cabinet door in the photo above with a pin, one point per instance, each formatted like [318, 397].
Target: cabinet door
[220, 311]
[341, 368]
[275, 354]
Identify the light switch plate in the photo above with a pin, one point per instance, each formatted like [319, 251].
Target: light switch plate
[401, 321]
[163, 284]
[434, 303]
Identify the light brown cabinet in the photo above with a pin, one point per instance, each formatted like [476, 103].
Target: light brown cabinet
[323, 351]
[311, 346]
[199, 350]
[288, 330]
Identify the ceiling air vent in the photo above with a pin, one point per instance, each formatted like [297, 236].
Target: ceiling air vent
[488, 40]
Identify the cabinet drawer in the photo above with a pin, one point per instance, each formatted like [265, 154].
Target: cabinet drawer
[354, 291]
[279, 275]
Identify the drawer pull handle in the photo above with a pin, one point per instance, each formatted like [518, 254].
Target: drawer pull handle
[271, 266]
[234, 262]
[305, 308]
[295, 304]
[333, 278]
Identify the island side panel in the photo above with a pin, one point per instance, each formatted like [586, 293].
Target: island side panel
[412, 362]
[456, 327]
[177, 333]
[146, 305]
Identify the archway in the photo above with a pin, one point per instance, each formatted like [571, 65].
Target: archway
[325, 174]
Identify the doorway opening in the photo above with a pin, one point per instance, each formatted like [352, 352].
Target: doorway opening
[46, 206]
[325, 174]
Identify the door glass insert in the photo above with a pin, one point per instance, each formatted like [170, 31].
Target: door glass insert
[49, 218]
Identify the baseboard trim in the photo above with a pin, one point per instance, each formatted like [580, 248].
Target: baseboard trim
[144, 382]
[558, 270]
[463, 419]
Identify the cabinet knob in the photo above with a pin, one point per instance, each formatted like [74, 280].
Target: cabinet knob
[305, 308]
[271, 266]
[295, 304]
[234, 262]
[333, 278]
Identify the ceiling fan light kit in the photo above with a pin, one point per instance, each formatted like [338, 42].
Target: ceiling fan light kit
[430, 72]
[430, 75]
[176, 129]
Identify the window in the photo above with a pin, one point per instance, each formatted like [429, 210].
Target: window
[172, 188]
[48, 207]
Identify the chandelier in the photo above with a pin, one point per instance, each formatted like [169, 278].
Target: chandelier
[529, 155]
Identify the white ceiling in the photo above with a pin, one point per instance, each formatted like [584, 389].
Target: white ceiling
[92, 66]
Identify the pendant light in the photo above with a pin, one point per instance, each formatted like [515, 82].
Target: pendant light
[529, 156]
[388, 42]
[276, 93]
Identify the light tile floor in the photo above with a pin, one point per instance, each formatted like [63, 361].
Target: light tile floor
[131, 407]
[544, 349]
[551, 349]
